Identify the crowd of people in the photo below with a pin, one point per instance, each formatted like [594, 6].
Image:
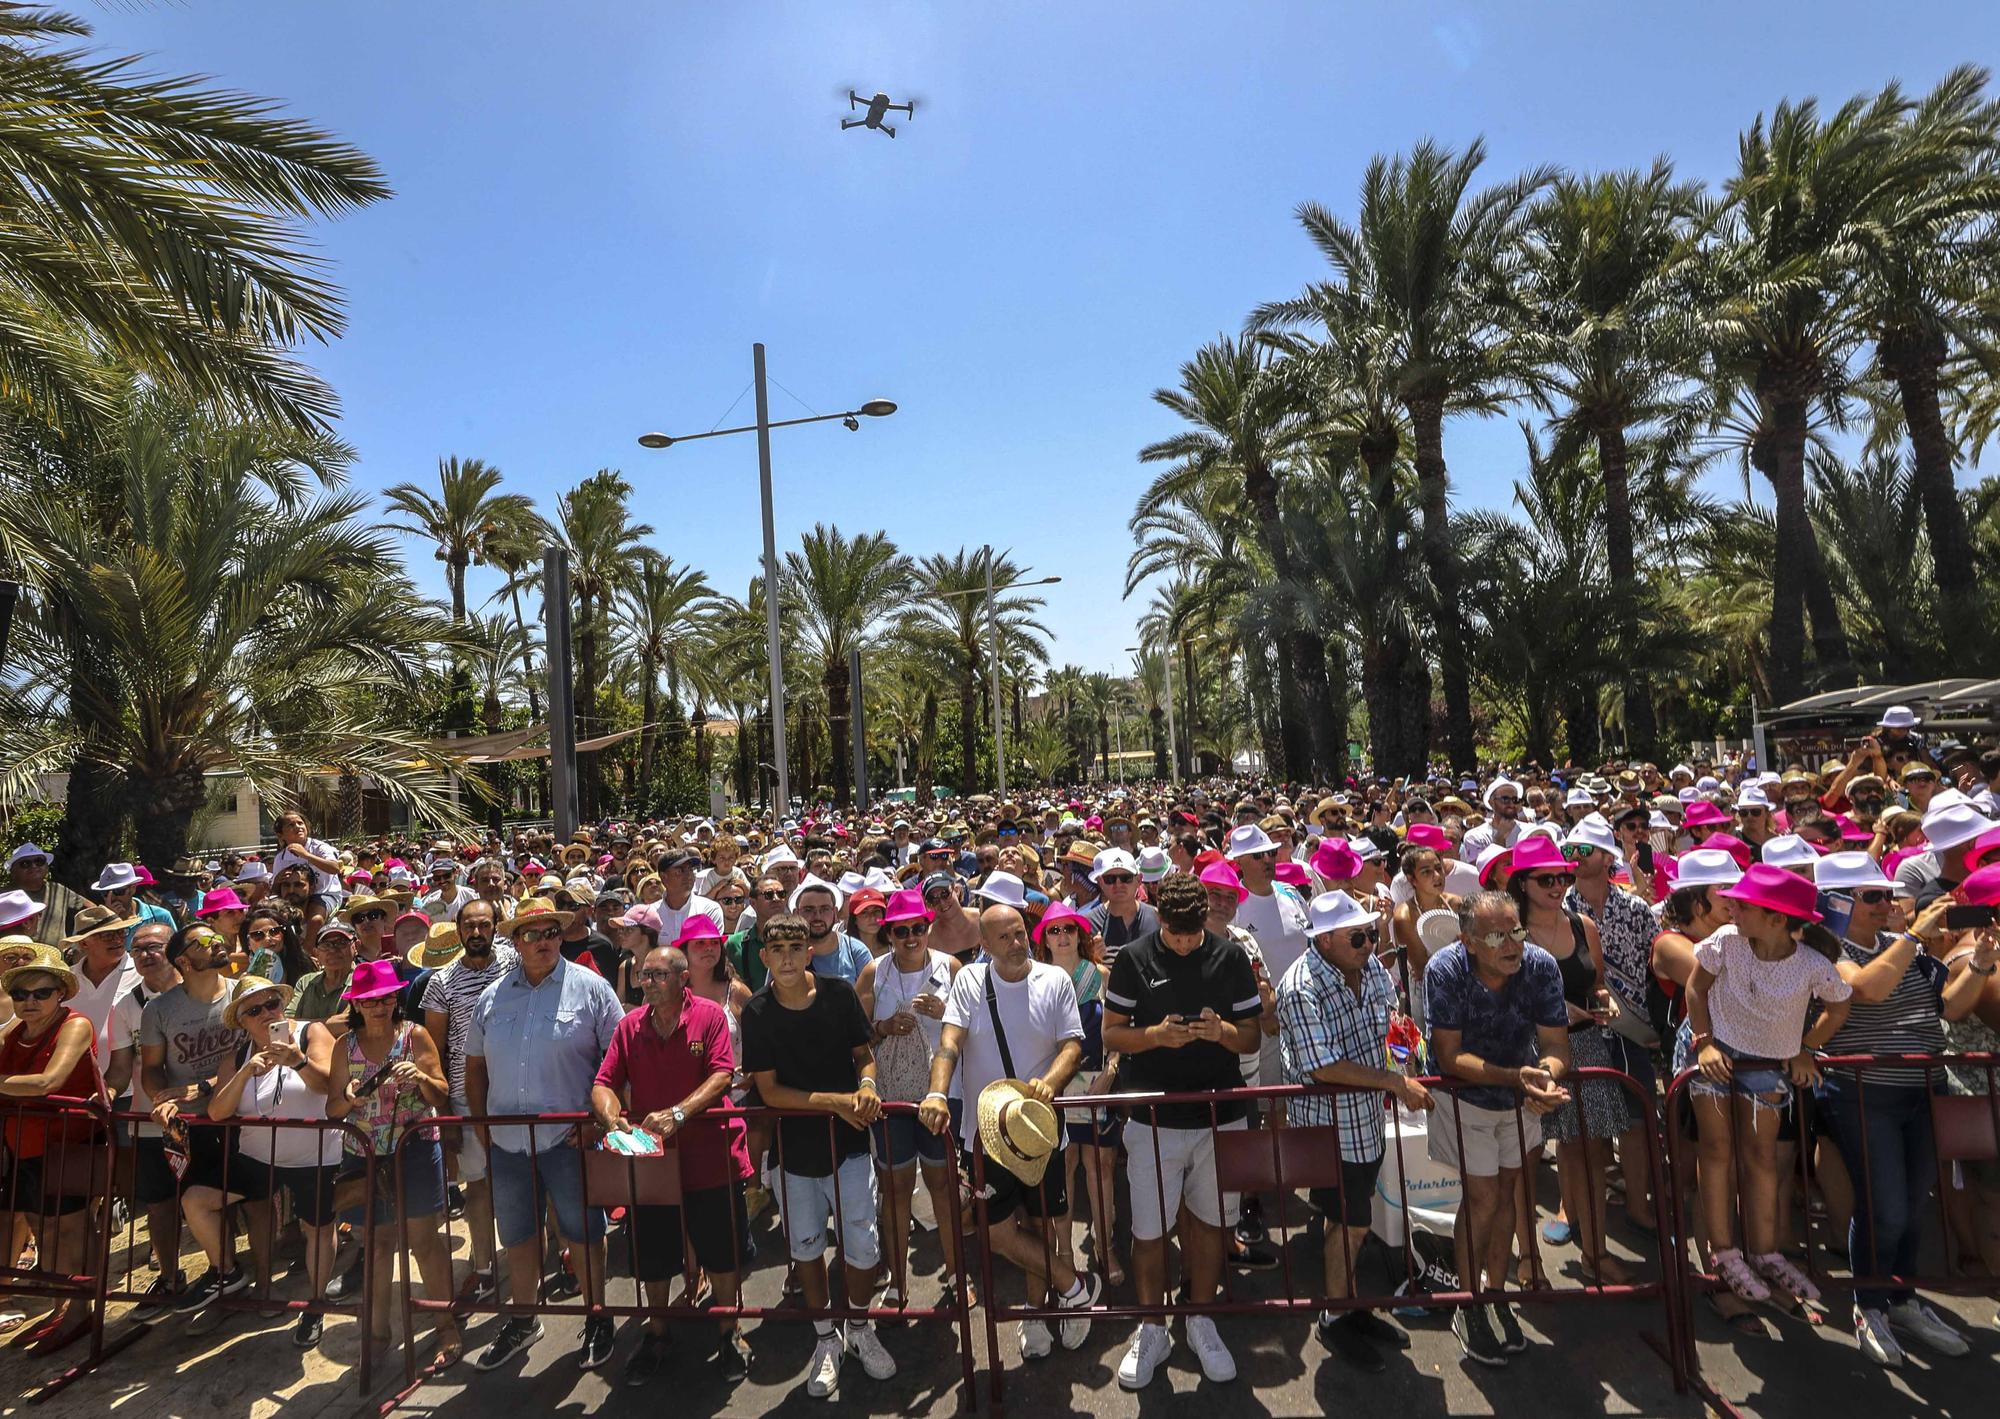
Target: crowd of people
[1457, 947]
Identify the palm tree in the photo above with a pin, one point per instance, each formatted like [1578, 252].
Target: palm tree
[1605, 340]
[838, 590]
[665, 611]
[1105, 697]
[1433, 266]
[1927, 266]
[1870, 520]
[458, 518]
[1149, 675]
[195, 606]
[513, 546]
[1774, 307]
[153, 225]
[1242, 423]
[950, 604]
[594, 524]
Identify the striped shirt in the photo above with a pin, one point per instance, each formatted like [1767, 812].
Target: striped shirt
[1910, 1021]
[1321, 1022]
[452, 991]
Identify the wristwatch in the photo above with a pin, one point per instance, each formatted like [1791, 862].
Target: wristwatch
[680, 1117]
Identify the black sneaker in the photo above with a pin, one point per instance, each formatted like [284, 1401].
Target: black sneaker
[1345, 1339]
[1251, 1258]
[347, 1285]
[159, 1298]
[307, 1332]
[516, 1335]
[1379, 1330]
[648, 1360]
[1475, 1336]
[1250, 1224]
[733, 1357]
[598, 1334]
[454, 1202]
[1511, 1339]
[211, 1285]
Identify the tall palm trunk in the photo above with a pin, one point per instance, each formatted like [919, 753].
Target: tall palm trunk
[927, 749]
[93, 823]
[1441, 558]
[1397, 701]
[1258, 690]
[527, 658]
[1913, 361]
[455, 565]
[1104, 743]
[968, 725]
[746, 791]
[585, 695]
[839, 716]
[1305, 712]
[1797, 573]
[1641, 725]
[1585, 737]
[162, 811]
[649, 737]
[1190, 679]
[1157, 718]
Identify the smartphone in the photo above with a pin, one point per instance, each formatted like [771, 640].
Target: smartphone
[1964, 918]
[281, 1032]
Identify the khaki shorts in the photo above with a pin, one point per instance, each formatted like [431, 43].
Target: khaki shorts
[1493, 1140]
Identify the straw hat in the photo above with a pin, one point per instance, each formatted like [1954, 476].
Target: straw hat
[247, 987]
[49, 965]
[440, 946]
[91, 920]
[1019, 1131]
[534, 909]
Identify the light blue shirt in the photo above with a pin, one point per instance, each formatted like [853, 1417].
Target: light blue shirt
[148, 911]
[845, 960]
[542, 1045]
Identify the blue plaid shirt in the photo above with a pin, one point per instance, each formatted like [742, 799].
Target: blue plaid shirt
[1322, 1022]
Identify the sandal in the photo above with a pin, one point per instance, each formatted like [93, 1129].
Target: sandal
[1744, 1322]
[1778, 1269]
[1731, 1267]
[449, 1351]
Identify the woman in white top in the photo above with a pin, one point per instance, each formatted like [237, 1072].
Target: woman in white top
[903, 993]
[279, 1073]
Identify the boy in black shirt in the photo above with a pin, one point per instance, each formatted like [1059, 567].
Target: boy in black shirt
[1182, 1008]
[804, 1033]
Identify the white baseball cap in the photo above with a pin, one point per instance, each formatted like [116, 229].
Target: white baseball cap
[1112, 859]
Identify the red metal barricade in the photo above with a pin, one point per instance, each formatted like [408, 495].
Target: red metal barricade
[1280, 1161]
[59, 1168]
[1965, 1128]
[633, 1185]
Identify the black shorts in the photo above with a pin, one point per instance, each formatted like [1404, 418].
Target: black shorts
[154, 1179]
[718, 1224]
[1048, 1198]
[21, 1188]
[311, 1189]
[1357, 1186]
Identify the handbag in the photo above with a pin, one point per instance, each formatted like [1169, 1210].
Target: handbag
[903, 1067]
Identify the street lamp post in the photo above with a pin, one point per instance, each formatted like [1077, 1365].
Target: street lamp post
[874, 409]
[993, 640]
[1173, 742]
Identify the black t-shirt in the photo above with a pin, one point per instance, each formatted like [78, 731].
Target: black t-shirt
[809, 1049]
[1115, 934]
[1148, 983]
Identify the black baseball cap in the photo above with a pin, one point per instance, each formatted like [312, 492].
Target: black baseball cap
[931, 845]
[934, 880]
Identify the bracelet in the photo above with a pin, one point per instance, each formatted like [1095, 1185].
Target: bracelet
[870, 1083]
[935, 1094]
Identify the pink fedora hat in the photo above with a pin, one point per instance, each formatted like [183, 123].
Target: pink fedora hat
[1221, 874]
[906, 905]
[1703, 814]
[372, 979]
[1057, 915]
[1334, 860]
[1775, 889]
[1535, 853]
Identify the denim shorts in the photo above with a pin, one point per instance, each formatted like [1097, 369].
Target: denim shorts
[523, 1182]
[1750, 1076]
[899, 1140]
[808, 1203]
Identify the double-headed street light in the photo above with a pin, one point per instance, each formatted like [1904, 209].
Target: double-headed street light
[993, 635]
[873, 409]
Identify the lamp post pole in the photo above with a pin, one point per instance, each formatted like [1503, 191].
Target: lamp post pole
[771, 648]
[993, 637]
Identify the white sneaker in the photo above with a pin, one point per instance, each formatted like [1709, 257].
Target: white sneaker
[863, 1344]
[1913, 1317]
[1075, 1332]
[1216, 1361]
[1150, 1345]
[1871, 1332]
[1036, 1342]
[823, 1370]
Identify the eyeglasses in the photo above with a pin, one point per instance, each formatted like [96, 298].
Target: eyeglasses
[336, 943]
[535, 934]
[658, 977]
[1499, 802]
[1873, 896]
[905, 931]
[1495, 939]
[736, 901]
[251, 1012]
[20, 994]
[777, 896]
[1752, 811]
[1552, 879]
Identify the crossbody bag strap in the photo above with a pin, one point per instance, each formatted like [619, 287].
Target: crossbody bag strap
[999, 1030]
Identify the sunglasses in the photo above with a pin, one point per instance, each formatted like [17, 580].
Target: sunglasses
[336, 943]
[1577, 852]
[252, 1012]
[1873, 896]
[1117, 879]
[1364, 936]
[1494, 939]
[769, 896]
[1552, 879]
[41, 992]
[905, 931]
[537, 934]
[730, 901]
[360, 917]
[1506, 803]
[267, 933]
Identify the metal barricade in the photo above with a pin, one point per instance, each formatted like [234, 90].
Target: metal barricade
[59, 1150]
[1964, 1128]
[234, 1172]
[1283, 1159]
[626, 1188]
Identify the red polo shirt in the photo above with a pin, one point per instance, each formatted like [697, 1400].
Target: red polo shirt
[655, 1072]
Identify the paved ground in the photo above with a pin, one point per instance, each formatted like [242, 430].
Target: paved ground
[1588, 1360]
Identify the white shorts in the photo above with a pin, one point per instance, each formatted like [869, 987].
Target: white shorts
[1492, 1139]
[469, 1157]
[808, 1203]
[1185, 1175]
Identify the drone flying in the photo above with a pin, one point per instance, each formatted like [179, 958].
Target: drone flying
[877, 106]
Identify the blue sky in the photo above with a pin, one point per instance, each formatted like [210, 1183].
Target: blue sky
[601, 206]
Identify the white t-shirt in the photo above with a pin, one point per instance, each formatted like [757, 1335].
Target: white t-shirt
[1038, 1014]
[1281, 925]
[1478, 839]
[325, 884]
[673, 918]
[706, 880]
[98, 1004]
[443, 906]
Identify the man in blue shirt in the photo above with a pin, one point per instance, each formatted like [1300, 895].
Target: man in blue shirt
[835, 953]
[1498, 1022]
[533, 1046]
